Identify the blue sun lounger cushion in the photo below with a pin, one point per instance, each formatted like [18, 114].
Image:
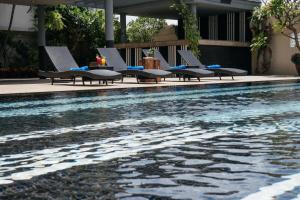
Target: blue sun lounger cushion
[83, 68]
[135, 68]
[214, 66]
[179, 67]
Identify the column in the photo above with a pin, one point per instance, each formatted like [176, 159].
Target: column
[242, 26]
[123, 27]
[194, 9]
[109, 25]
[41, 35]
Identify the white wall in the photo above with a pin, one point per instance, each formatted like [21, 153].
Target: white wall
[23, 21]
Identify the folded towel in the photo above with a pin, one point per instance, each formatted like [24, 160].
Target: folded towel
[214, 66]
[135, 68]
[83, 68]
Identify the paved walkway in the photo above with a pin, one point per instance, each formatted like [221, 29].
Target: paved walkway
[23, 86]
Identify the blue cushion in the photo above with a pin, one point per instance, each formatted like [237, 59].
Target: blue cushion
[83, 68]
[180, 67]
[214, 66]
[135, 68]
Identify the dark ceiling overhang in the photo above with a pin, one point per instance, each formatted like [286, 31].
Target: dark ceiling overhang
[151, 8]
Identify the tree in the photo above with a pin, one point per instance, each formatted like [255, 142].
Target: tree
[143, 29]
[287, 15]
[81, 29]
[262, 31]
[283, 15]
[192, 33]
[278, 15]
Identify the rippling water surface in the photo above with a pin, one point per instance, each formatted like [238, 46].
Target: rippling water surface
[209, 142]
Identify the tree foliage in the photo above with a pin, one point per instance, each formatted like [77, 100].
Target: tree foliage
[287, 15]
[283, 15]
[261, 28]
[262, 32]
[192, 34]
[81, 29]
[143, 29]
[278, 15]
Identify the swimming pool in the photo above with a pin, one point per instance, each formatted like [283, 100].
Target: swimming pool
[198, 142]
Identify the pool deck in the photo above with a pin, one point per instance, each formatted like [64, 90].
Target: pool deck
[25, 86]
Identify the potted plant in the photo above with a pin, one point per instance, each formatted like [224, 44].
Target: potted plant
[296, 60]
[151, 52]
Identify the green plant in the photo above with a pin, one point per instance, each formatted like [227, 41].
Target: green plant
[278, 15]
[259, 42]
[286, 15]
[296, 59]
[143, 29]
[54, 21]
[192, 33]
[81, 29]
[261, 28]
[262, 31]
[151, 52]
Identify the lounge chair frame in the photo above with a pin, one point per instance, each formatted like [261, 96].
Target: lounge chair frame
[114, 58]
[63, 61]
[192, 60]
[188, 73]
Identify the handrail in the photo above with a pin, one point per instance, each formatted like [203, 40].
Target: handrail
[182, 43]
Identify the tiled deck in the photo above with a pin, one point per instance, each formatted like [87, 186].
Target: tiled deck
[23, 86]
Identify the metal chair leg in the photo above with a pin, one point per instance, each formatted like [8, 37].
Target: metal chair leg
[232, 77]
[52, 81]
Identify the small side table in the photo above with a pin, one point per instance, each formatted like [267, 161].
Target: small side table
[150, 63]
[94, 65]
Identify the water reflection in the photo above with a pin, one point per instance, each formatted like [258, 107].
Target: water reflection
[176, 143]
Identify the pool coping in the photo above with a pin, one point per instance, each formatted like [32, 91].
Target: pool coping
[278, 79]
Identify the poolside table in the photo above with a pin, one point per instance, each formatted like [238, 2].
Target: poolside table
[150, 63]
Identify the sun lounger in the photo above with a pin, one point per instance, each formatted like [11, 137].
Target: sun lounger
[67, 68]
[113, 58]
[181, 70]
[191, 60]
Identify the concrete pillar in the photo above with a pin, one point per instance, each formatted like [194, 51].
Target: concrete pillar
[194, 10]
[41, 35]
[123, 27]
[109, 25]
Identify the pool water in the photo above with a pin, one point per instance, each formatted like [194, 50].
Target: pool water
[199, 142]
